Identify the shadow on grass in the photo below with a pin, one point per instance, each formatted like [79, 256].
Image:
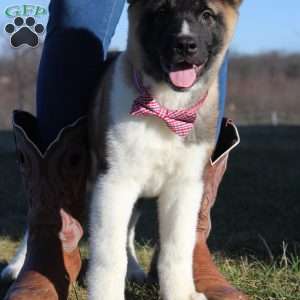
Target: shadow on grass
[258, 207]
[4, 286]
[12, 200]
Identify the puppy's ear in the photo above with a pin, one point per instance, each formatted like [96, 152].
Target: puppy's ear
[234, 3]
[237, 3]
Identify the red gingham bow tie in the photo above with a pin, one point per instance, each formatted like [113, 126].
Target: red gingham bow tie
[179, 121]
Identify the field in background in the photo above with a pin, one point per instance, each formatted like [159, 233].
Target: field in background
[262, 88]
[256, 220]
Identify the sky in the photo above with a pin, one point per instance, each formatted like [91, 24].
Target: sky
[264, 25]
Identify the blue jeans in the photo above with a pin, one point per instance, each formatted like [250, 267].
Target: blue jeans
[222, 93]
[78, 36]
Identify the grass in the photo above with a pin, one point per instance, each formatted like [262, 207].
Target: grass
[255, 237]
[277, 280]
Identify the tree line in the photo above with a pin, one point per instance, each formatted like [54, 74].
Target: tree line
[264, 88]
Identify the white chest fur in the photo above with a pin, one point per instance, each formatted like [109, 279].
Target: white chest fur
[144, 146]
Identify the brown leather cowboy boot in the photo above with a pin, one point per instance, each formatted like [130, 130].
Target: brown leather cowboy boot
[55, 182]
[208, 278]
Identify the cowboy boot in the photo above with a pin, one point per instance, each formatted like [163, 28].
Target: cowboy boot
[208, 278]
[55, 183]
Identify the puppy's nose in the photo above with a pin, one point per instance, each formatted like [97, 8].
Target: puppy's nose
[185, 45]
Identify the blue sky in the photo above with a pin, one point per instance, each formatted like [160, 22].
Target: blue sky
[265, 25]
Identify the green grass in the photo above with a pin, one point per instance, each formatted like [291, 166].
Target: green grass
[255, 237]
[277, 280]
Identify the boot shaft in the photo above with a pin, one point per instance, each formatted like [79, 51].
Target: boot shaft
[55, 178]
[213, 174]
[55, 182]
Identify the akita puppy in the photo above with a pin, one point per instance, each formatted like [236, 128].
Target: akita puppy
[153, 130]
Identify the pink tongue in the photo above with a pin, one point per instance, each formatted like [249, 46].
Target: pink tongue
[183, 78]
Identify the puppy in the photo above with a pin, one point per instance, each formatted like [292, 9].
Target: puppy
[153, 130]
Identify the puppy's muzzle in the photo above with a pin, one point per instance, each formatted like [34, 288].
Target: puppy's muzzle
[185, 46]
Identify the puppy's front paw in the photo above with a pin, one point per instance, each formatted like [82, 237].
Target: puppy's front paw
[198, 296]
[188, 296]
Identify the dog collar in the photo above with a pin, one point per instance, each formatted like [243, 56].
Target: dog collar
[180, 121]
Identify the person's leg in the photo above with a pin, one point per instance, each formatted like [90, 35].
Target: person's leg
[207, 277]
[78, 36]
[222, 93]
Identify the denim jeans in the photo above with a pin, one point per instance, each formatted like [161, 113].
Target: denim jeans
[78, 37]
[222, 92]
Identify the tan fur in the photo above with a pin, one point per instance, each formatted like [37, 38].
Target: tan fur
[205, 126]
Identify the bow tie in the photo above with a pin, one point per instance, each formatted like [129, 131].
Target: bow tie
[180, 121]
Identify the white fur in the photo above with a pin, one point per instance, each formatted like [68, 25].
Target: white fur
[145, 159]
[12, 270]
[185, 29]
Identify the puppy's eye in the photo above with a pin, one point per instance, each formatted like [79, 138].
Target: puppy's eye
[207, 17]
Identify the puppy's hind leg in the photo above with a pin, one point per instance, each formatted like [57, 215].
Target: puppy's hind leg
[12, 270]
[112, 206]
[178, 208]
[135, 273]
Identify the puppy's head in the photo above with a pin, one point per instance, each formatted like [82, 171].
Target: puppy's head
[180, 42]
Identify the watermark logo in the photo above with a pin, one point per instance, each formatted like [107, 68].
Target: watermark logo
[25, 29]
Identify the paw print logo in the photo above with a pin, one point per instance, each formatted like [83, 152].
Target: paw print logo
[24, 32]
